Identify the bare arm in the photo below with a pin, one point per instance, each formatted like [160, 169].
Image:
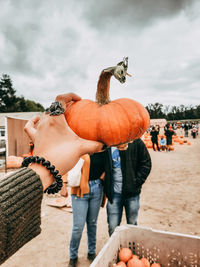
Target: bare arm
[55, 141]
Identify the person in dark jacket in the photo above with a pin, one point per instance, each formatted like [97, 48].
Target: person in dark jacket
[127, 168]
[154, 138]
[169, 133]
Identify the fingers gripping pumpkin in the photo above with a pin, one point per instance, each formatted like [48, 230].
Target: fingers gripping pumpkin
[110, 122]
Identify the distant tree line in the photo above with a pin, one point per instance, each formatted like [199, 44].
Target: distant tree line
[9, 102]
[158, 111]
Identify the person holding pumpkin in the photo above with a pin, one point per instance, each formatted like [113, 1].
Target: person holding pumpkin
[127, 168]
[57, 149]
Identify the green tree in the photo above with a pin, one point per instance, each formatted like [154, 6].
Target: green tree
[23, 105]
[9, 102]
[155, 111]
[33, 106]
[7, 94]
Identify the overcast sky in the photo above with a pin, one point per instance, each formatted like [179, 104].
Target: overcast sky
[51, 47]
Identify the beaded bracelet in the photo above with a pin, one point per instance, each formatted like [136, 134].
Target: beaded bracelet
[57, 185]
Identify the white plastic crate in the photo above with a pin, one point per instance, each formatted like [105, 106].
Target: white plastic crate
[166, 248]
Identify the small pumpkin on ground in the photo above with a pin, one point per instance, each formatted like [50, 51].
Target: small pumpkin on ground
[171, 147]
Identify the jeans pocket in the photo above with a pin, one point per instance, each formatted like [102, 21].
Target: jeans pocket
[97, 188]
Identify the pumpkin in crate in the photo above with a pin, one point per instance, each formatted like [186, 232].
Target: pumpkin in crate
[145, 262]
[134, 262]
[155, 265]
[110, 122]
[125, 254]
[121, 264]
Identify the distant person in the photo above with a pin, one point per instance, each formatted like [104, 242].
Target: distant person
[169, 133]
[154, 138]
[162, 143]
[194, 131]
[158, 128]
[186, 129]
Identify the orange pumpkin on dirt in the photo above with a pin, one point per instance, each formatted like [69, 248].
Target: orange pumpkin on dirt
[176, 140]
[110, 122]
[149, 145]
[171, 148]
[125, 254]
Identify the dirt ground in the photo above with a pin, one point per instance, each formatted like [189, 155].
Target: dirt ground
[169, 201]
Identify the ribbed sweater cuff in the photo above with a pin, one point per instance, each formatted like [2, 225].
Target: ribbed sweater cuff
[20, 208]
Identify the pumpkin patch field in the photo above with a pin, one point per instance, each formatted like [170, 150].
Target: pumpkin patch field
[177, 139]
[169, 202]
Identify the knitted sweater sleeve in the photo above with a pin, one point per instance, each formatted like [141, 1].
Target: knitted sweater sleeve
[20, 207]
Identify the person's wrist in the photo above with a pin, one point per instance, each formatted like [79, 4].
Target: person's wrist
[56, 186]
[45, 176]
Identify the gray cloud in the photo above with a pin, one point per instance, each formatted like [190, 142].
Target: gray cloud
[179, 85]
[135, 13]
[20, 41]
[50, 47]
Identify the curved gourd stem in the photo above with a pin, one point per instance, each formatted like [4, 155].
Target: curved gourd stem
[103, 86]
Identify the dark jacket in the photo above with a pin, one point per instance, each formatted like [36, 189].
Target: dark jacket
[135, 165]
[168, 134]
[154, 136]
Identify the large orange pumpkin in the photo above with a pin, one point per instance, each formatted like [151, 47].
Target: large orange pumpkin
[110, 122]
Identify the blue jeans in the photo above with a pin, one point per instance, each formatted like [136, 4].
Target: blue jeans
[115, 211]
[86, 210]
